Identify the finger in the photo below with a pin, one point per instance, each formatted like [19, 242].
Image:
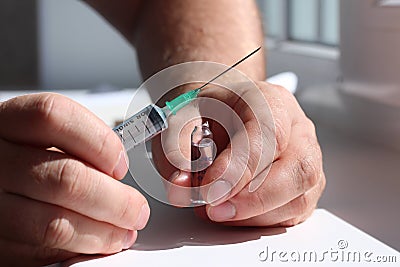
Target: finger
[230, 171]
[171, 154]
[54, 120]
[176, 140]
[285, 111]
[179, 189]
[257, 102]
[297, 170]
[314, 195]
[55, 178]
[40, 224]
[289, 214]
[295, 220]
[252, 148]
[18, 254]
[238, 164]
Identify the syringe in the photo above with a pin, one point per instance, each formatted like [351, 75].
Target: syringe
[152, 120]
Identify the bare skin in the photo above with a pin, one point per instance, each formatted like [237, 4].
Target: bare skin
[51, 176]
[175, 31]
[60, 194]
[169, 32]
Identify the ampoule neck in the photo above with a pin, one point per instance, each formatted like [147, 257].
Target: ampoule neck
[201, 131]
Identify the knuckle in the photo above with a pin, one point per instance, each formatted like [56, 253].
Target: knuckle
[125, 212]
[281, 136]
[59, 233]
[280, 127]
[41, 173]
[240, 169]
[306, 173]
[252, 156]
[72, 180]
[284, 93]
[301, 205]
[262, 201]
[47, 107]
[113, 240]
[107, 136]
[310, 125]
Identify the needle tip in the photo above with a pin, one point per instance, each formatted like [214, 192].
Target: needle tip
[256, 50]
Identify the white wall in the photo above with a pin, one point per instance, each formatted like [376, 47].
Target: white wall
[78, 49]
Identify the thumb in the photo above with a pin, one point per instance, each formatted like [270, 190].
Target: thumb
[171, 154]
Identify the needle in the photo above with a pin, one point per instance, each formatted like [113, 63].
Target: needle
[179, 102]
[228, 69]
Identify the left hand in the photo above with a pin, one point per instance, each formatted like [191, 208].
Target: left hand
[59, 189]
[289, 188]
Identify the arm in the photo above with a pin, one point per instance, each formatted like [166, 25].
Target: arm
[291, 182]
[175, 31]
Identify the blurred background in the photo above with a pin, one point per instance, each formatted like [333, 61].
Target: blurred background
[49, 44]
[345, 53]
[61, 45]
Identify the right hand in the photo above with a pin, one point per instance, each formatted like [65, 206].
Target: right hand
[59, 189]
[276, 147]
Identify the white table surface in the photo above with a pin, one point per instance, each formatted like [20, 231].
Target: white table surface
[174, 237]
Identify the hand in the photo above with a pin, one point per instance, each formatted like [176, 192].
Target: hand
[288, 189]
[59, 194]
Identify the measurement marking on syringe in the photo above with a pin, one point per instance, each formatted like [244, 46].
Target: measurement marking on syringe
[129, 132]
[147, 128]
[137, 129]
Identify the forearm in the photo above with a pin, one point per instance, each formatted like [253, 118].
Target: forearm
[175, 31]
[122, 14]
[168, 32]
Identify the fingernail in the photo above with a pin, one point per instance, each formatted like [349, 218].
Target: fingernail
[222, 212]
[122, 166]
[129, 239]
[178, 192]
[174, 176]
[143, 217]
[179, 178]
[217, 191]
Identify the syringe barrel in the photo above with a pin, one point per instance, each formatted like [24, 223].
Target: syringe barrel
[142, 126]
